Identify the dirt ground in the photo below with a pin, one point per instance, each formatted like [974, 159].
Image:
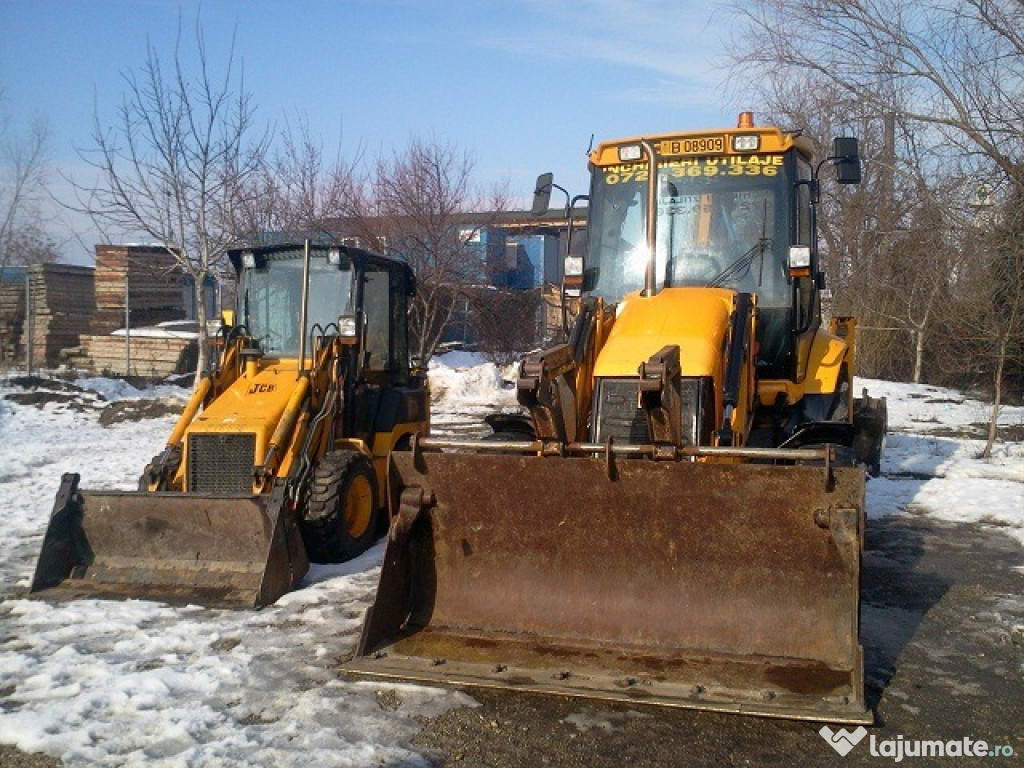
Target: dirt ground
[15, 758]
[943, 634]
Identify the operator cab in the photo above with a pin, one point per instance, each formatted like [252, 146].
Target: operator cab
[352, 293]
[733, 210]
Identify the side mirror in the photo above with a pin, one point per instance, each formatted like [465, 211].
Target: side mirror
[846, 156]
[542, 194]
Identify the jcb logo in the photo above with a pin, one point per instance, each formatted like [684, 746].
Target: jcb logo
[262, 389]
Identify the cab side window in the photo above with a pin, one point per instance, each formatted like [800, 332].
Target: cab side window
[802, 235]
[399, 330]
[377, 312]
[802, 218]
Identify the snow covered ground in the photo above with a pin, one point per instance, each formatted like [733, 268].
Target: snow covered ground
[931, 463]
[141, 683]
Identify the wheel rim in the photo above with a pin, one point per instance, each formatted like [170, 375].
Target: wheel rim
[358, 506]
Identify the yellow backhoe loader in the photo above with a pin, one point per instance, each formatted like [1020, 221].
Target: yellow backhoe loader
[685, 526]
[279, 457]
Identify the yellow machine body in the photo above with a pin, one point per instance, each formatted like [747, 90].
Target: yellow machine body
[681, 524]
[282, 448]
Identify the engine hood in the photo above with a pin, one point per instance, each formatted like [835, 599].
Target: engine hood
[696, 319]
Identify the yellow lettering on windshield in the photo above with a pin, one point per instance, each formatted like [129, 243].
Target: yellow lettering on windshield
[696, 167]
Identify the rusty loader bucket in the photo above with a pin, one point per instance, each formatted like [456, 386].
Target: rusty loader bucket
[721, 586]
[213, 550]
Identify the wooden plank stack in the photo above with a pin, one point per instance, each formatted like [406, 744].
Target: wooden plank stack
[150, 357]
[63, 303]
[155, 289]
[12, 317]
[73, 309]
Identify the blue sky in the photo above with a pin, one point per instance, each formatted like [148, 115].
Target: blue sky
[520, 84]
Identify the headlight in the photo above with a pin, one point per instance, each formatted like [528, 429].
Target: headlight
[334, 256]
[799, 256]
[248, 259]
[573, 266]
[630, 153]
[347, 326]
[746, 143]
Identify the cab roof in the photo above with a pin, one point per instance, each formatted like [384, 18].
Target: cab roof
[703, 143]
[356, 256]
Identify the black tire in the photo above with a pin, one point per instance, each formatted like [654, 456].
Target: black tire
[870, 423]
[341, 516]
[509, 426]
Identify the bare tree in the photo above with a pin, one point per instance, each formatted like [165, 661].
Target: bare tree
[955, 68]
[23, 159]
[988, 329]
[174, 163]
[419, 205]
[946, 81]
[298, 191]
[918, 257]
[876, 238]
[504, 321]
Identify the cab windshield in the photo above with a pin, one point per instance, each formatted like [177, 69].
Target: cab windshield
[721, 222]
[272, 296]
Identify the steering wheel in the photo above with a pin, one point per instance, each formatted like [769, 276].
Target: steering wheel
[695, 268]
[271, 342]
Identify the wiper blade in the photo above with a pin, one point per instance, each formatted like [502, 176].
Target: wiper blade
[742, 264]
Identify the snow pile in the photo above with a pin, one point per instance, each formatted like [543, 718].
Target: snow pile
[464, 388]
[141, 683]
[465, 378]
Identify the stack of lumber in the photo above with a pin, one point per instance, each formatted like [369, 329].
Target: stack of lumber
[12, 317]
[62, 305]
[150, 357]
[150, 278]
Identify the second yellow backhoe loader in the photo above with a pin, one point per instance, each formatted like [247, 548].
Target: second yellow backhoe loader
[279, 457]
[685, 527]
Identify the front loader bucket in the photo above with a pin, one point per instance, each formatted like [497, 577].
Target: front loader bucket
[214, 550]
[726, 587]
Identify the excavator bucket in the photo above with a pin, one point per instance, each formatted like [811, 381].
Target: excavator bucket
[213, 550]
[720, 586]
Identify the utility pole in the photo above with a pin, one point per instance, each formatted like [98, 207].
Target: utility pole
[127, 329]
[28, 322]
[886, 214]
